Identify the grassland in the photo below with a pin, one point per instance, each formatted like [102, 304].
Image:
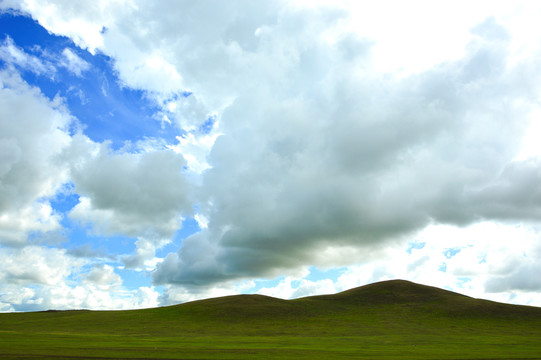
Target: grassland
[387, 320]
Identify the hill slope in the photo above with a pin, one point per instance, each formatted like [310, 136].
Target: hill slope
[378, 320]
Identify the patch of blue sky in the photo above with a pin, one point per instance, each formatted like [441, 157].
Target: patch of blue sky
[462, 280]
[79, 236]
[27, 32]
[188, 228]
[30, 303]
[64, 201]
[415, 245]
[483, 259]
[83, 241]
[177, 96]
[74, 278]
[264, 283]
[449, 253]
[132, 279]
[317, 274]
[208, 125]
[89, 251]
[443, 267]
[48, 239]
[295, 283]
[107, 110]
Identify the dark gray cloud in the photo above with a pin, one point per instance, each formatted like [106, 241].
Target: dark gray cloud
[352, 159]
[522, 279]
[86, 251]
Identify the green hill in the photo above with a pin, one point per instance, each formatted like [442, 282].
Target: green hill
[385, 320]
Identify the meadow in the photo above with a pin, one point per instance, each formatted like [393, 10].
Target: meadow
[386, 320]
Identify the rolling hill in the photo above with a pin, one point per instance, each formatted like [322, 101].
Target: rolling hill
[388, 319]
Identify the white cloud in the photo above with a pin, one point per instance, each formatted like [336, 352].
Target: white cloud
[46, 64]
[35, 265]
[195, 150]
[64, 297]
[144, 297]
[487, 260]
[74, 63]
[103, 277]
[417, 35]
[178, 294]
[135, 194]
[13, 296]
[144, 256]
[83, 23]
[286, 289]
[30, 172]
[40, 278]
[16, 225]
[143, 195]
[531, 147]
[484, 260]
[15, 56]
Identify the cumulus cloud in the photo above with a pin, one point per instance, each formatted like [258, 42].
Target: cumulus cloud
[103, 277]
[345, 158]
[35, 265]
[83, 23]
[518, 279]
[514, 193]
[30, 146]
[143, 195]
[316, 153]
[64, 297]
[73, 62]
[40, 278]
[46, 64]
[173, 294]
[139, 191]
[486, 260]
[195, 150]
[287, 290]
[15, 56]
[132, 194]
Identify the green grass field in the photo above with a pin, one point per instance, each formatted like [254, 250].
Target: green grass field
[387, 320]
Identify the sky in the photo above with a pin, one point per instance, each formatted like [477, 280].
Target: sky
[153, 153]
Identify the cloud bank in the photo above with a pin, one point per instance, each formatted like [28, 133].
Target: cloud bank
[325, 155]
[296, 148]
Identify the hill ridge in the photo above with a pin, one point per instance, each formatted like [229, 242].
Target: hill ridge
[404, 296]
[382, 291]
[386, 286]
[375, 319]
[394, 291]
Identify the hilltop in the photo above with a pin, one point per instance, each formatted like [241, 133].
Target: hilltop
[381, 320]
[394, 298]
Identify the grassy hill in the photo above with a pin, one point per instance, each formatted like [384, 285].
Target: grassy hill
[385, 320]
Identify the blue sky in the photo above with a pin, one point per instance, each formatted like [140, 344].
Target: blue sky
[107, 110]
[155, 153]
[104, 109]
